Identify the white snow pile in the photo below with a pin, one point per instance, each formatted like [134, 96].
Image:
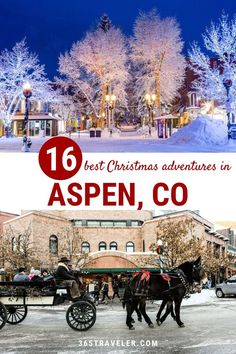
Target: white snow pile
[206, 296]
[202, 131]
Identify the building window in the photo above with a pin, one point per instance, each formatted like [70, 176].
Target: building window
[78, 223]
[113, 246]
[13, 244]
[129, 247]
[120, 223]
[216, 250]
[107, 223]
[93, 223]
[193, 100]
[85, 247]
[102, 246]
[21, 243]
[134, 223]
[53, 244]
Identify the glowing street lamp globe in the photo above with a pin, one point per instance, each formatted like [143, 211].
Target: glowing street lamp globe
[27, 90]
[147, 97]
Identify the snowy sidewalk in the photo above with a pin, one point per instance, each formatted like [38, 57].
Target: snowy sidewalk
[202, 135]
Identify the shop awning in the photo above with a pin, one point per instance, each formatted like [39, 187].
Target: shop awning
[36, 116]
[115, 270]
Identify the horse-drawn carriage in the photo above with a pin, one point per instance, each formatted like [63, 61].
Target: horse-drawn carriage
[17, 296]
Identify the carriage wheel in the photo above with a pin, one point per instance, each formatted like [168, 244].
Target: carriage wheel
[93, 304]
[81, 316]
[16, 314]
[3, 315]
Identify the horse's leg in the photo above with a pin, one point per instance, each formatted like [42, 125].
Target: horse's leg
[177, 312]
[142, 308]
[138, 314]
[130, 309]
[172, 312]
[163, 304]
[168, 310]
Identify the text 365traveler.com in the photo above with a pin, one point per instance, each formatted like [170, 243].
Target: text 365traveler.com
[117, 343]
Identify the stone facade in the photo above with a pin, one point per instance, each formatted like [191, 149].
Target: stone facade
[137, 228]
[4, 217]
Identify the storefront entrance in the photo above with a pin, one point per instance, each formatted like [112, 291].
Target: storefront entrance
[38, 128]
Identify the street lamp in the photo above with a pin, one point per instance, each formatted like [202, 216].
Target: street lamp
[227, 82]
[27, 92]
[150, 102]
[111, 101]
[160, 251]
[103, 118]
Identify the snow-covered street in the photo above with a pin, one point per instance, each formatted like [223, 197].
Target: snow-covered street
[113, 144]
[204, 134]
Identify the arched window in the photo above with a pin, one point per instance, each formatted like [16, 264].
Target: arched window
[53, 244]
[85, 247]
[21, 243]
[193, 99]
[113, 246]
[129, 247]
[13, 244]
[102, 246]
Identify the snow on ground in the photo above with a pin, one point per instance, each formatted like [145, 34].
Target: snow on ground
[203, 135]
[202, 131]
[205, 297]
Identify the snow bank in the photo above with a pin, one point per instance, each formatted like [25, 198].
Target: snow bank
[202, 131]
[206, 296]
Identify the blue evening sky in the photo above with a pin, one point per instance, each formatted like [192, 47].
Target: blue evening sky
[51, 26]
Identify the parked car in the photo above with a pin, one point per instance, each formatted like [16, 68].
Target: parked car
[228, 287]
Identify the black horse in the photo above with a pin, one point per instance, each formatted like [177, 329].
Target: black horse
[169, 310]
[171, 288]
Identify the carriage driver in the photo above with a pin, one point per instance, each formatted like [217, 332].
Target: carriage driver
[65, 276]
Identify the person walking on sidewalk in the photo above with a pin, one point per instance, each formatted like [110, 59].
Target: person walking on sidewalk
[105, 289]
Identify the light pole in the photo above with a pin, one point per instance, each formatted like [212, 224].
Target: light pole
[160, 250]
[27, 92]
[150, 102]
[227, 82]
[103, 119]
[111, 101]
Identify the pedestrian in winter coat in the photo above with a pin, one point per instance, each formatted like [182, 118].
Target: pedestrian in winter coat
[105, 289]
[21, 275]
[115, 286]
[65, 277]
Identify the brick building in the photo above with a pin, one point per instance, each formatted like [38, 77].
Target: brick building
[107, 241]
[228, 228]
[4, 217]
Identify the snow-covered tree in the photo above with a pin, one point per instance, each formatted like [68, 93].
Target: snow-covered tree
[64, 106]
[220, 42]
[97, 65]
[105, 23]
[156, 49]
[18, 66]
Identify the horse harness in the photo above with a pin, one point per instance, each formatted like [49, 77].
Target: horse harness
[177, 274]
